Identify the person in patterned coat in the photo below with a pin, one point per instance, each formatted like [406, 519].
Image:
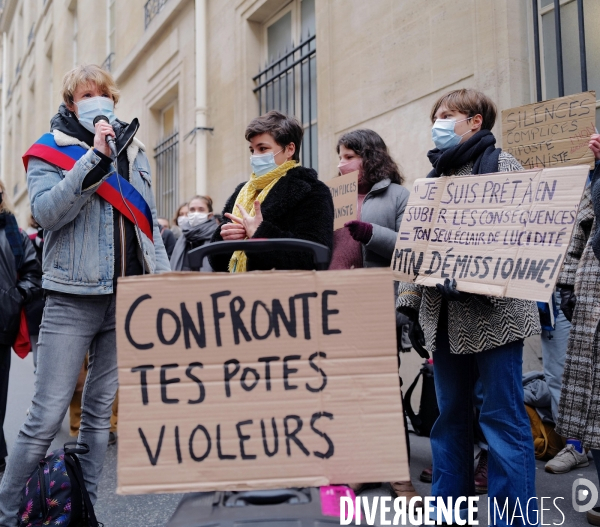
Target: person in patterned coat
[473, 336]
[579, 285]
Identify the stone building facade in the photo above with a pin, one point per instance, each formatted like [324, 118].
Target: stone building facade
[196, 71]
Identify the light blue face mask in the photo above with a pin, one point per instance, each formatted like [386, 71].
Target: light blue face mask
[443, 133]
[263, 163]
[89, 109]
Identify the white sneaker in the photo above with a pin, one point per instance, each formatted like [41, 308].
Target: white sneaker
[567, 459]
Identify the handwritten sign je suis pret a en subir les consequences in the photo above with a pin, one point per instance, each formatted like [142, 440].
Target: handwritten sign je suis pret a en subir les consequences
[501, 234]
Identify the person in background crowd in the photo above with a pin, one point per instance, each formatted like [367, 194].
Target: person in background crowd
[579, 286]
[20, 282]
[181, 212]
[370, 240]
[466, 330]
[280, 200]
[197, 229]
[75, 407]
[163, 223]
[35, 308]
[90, 241]
[167, 235]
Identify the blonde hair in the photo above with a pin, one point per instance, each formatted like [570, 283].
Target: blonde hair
[6, 205]
[88, 74]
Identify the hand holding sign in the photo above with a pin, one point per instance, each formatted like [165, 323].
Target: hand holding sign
[361, 231]
[595, 145]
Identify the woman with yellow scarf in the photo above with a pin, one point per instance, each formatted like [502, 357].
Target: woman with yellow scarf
[282, 199]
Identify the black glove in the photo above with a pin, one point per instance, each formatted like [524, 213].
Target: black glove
[449, 292]
[415, 332]
[25, 294]
[567, 301]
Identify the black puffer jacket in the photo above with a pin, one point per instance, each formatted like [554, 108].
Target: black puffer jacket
[14, 292]
[298, 206]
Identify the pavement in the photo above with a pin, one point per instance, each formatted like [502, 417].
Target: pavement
[155, 510]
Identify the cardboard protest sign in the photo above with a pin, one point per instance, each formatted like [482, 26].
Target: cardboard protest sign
[258, 380]
[344, 191]
[503, 234]
[551, 133]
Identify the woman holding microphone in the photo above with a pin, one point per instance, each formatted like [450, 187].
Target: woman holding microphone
[92, 238]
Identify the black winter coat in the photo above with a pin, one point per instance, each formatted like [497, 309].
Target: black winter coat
[298, 206]
[29, 285]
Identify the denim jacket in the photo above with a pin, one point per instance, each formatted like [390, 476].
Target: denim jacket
[78, 240]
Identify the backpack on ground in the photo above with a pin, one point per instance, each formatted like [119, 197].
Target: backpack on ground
[546, 442]
[422, 422]
[55, 494]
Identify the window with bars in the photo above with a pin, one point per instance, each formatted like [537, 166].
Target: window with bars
[166, 155]
[288, 81]
[111, 33]
[566, 48]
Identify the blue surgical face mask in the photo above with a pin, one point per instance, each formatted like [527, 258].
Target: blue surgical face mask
[443, 133]
[89, 109]
[263, 163]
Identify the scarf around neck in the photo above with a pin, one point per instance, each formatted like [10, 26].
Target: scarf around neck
[194, 236]
[256, 189]
[9, 223]
[479, 149]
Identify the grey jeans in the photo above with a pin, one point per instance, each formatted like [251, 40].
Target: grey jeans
[71, 326]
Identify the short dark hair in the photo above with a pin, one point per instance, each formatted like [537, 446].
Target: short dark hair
[376, 160]
[284, 129]
[470, 102]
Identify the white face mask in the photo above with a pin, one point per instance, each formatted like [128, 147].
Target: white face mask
[263, 163]
[89, 109]
[183, 222]
[196, 218]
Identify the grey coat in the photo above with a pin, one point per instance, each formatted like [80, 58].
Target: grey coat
[383, 207]
[579, 408]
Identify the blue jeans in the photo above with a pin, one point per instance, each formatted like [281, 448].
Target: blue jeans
[554, 354]
[511, 462]
[71, 326]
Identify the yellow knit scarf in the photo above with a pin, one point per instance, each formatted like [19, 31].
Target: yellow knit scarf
[256, 189]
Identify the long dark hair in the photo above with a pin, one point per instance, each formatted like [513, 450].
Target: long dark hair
[376, 160]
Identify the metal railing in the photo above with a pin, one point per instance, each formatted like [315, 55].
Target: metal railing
[288, 84]
[108, 62]
[559, 48]
[151, 9]
[166, 155]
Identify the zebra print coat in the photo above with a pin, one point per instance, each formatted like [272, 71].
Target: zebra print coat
[473, 326]
[579, 409]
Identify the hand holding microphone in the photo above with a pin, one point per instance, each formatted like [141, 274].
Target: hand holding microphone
[104, 140]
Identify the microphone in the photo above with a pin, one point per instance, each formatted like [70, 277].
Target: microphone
[110, 140]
